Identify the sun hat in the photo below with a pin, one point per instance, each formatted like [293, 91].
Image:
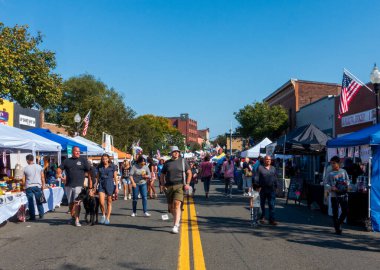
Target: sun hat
[174, 149]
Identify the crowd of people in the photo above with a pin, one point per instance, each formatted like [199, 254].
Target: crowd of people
[176, 176]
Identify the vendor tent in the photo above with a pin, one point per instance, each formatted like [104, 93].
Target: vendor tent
[367, 136]
[15, 138]
[64, 142]
[307, 139]
[93, 149]
[254, 152]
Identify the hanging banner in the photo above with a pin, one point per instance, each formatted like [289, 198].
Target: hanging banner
[330, 153]
[342, 152]
[350, 152]
[357, 151]
[365, 153]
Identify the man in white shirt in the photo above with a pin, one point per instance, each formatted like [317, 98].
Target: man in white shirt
[34, 183]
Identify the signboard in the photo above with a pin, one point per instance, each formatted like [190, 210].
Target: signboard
[27, 120]
[359, 118]
[295, 190]
[4, 117]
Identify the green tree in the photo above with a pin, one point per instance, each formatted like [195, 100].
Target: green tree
[26, 71]
[221, 140]
[108, 111]
[259, 120]
[195, 147]
[155, 133]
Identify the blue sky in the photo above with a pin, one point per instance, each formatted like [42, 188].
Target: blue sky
[206, 58]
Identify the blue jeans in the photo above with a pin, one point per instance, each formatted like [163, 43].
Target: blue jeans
[144, 194]
[269, 196]
[34, 192]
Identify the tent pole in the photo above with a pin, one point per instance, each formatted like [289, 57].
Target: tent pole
[369, 186]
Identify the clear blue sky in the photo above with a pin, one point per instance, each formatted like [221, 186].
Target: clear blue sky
[207, 58]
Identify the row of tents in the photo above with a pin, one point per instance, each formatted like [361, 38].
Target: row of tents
[43, 140]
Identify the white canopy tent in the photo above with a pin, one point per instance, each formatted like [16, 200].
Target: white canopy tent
[254, 152]
[93, 149]
[17, 139]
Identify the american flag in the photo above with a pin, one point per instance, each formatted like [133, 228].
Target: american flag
[350, 88]
[86, 121]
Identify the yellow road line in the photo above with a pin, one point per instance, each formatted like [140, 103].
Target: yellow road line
[199, 260]
[184, 249]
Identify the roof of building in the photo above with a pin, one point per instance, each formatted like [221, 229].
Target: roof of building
[291, 81]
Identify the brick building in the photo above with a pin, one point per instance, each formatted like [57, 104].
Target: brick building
[188, 127]
[203, 135]
[295, 94]
[361, 112]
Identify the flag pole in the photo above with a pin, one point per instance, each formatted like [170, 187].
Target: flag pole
[349, 73]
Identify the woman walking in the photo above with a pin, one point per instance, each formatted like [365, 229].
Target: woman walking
[125, 172]
[139, 175]
[228, 169]
[194, 177]
[153, 177]
[206, 174]
[159, 169]
[247, 177]
[108, 184]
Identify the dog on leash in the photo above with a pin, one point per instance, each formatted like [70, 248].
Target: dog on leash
[91, 204]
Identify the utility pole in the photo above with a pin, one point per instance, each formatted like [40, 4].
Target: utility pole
[231, 140]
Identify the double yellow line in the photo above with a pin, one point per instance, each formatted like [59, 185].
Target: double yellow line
[190, 224]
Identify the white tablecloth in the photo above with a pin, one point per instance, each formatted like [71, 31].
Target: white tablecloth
[10, 205]
[53, 198]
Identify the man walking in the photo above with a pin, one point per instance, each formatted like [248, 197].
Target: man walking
[267, 178]
[35, 183]
[75, 168]
[172, 178]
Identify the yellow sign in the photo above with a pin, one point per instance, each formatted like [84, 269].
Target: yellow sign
[6, 113]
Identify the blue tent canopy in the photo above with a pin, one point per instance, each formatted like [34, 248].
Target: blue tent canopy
[370, 135]
[46, 133]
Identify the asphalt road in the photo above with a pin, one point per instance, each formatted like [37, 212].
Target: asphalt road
[303, 239]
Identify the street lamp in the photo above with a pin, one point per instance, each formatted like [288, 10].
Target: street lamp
[77, 119]
[375, 79]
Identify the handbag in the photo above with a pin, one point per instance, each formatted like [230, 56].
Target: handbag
[247, 172]
[42, 198]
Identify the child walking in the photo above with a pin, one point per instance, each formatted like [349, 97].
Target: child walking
[254, 204]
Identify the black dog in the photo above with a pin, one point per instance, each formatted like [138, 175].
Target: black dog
[91, 205]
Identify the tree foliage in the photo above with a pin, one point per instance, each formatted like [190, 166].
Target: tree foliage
[155, 133]
[194, 146]
[109, 113]
[220, 140]
[25, 70]
[259, 120]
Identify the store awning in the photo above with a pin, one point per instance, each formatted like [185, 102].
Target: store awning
[64, 142]
[15, 138]
[120, 154]
[370, 135]
[93, 149]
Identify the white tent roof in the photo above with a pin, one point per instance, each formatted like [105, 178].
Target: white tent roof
[93, 149]
[254, 152]
[15, 138]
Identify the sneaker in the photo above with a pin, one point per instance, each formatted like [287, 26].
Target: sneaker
[129, 196]
[125, 198]
[175, 229]
[274, 223]
[147, 214]
[245, 194]
[262, 221]
[133, 215]
[102, 220]
[230, 196]
[107, 222]
[77, 224]
[139, 196]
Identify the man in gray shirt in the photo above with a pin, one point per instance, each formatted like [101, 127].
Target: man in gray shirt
[34, 183]
[172, 178]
